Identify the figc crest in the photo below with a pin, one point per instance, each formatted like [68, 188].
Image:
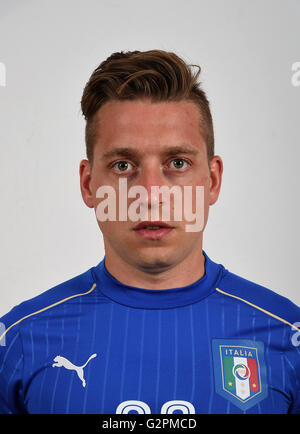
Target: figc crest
[240, 371]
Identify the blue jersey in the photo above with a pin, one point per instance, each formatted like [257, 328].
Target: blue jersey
[94, 345]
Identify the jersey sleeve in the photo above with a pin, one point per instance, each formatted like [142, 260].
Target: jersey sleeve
[293, 365]
[295, 408]
[11, 369]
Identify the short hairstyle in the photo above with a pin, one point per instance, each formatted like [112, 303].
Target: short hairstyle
[156, 75]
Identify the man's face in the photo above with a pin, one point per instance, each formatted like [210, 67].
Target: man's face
[150, 144]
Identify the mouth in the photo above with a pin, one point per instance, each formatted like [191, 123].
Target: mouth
[153, 230]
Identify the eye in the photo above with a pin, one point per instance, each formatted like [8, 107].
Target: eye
[122, 166]
[178, 164]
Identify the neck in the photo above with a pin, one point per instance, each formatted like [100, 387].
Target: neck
[178, 274]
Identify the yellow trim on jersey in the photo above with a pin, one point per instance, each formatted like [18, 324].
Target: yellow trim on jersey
[259, 308]
[45, 308]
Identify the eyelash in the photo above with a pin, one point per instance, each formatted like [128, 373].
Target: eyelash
[128, 162]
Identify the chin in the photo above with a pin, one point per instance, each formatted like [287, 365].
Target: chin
[155, 262]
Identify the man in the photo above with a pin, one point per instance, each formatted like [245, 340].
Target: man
[156, 326]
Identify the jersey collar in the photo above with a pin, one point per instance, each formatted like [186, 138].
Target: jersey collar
[158, 298]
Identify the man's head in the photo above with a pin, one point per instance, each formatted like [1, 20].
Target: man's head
[157, 75]
[149, 122]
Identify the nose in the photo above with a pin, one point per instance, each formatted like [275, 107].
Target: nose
[152, 176]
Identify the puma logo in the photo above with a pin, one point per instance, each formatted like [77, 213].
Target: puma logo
[62, 361]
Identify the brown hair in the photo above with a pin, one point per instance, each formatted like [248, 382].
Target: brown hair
[157, 75]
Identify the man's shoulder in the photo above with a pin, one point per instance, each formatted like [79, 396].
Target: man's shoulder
[258, 297]
[76, 286]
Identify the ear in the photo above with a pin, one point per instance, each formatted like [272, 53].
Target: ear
[85, 183]
[216, 171]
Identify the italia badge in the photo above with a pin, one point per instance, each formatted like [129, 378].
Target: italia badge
[240, 371]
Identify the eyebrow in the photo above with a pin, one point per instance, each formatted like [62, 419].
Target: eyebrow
[131, 153]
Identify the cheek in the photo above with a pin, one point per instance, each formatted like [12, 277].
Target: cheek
[199, 175]
[204, 179]
[95, 184]
[100, 176]
[112, 229]
[205, 182]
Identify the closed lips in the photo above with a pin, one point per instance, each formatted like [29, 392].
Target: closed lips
[152, 226]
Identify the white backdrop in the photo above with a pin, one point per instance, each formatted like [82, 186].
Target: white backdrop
[246, 49]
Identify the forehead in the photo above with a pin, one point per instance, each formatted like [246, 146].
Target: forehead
[147, 125]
